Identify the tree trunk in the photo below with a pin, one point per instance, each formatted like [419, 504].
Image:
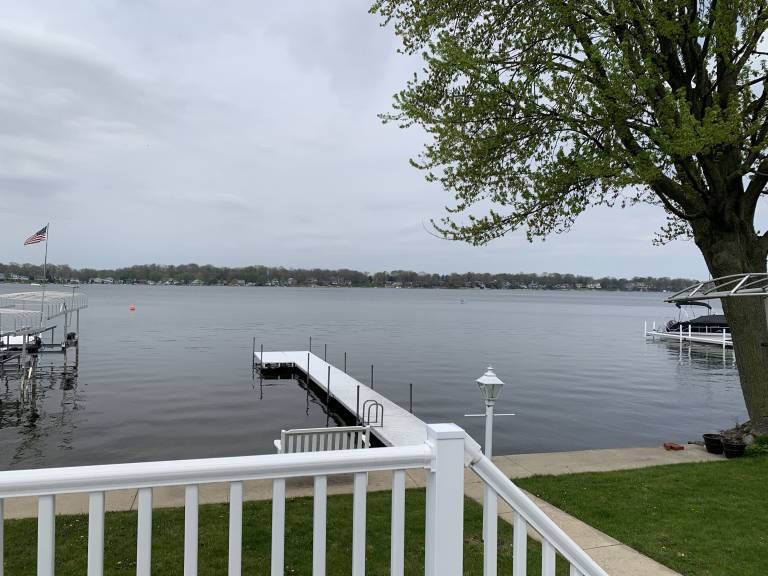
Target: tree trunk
[736, 252]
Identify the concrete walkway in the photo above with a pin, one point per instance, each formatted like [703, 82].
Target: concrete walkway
[616, 558]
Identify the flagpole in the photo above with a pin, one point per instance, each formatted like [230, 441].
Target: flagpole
[45, 271]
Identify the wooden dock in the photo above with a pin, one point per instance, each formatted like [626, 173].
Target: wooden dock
[398, 427]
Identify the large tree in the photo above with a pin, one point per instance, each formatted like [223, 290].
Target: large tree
[539, 109]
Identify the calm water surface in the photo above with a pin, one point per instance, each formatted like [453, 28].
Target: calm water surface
[173, 379]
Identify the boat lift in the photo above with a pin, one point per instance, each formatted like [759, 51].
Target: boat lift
[733, 286]
[26, 317]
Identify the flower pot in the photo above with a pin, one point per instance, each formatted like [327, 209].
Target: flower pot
[733, 449]
[713, 443]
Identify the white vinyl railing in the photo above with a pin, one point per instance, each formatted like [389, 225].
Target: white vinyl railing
[443, 456]
[526, 513]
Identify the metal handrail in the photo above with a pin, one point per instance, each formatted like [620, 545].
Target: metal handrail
[530, 512]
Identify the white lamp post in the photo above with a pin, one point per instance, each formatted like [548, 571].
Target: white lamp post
[491, 387]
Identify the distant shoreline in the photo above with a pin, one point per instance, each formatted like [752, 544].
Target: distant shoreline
[458, 288]
[206, 275]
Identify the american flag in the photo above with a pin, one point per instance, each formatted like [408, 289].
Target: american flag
[38, 236]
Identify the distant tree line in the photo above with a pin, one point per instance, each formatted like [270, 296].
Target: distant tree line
[194, 274]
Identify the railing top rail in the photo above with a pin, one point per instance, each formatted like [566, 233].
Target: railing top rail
[202, 471]
[331, 430]
[533, 515]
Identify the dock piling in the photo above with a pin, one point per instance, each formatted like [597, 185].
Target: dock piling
[325, 353]
[371, 376]
[345, 362]
[410, 397]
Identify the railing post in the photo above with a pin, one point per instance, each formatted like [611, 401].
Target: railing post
[445, 501]
[235, 529]
[191, 514]
[2, 536]
[144, 533]
[397, 546]
[46, 535]
[278, 527]
[319, 526]
[96, 534]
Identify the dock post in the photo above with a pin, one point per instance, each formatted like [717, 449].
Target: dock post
[345, 362]
[371, 376]
[325, 353]
[410, 397]
[310, 343]
[357, 407]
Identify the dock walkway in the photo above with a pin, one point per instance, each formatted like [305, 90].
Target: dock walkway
[399, 427]
[718, 339]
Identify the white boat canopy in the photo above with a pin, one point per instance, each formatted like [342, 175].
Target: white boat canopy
[13, 321]
[55, 303]
[753, 284]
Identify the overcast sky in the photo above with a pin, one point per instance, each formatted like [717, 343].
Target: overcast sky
[237, 133]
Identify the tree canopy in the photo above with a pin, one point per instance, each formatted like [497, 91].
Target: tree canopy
[538, 110]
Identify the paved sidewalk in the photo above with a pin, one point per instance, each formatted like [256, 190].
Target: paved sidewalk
[616, 558]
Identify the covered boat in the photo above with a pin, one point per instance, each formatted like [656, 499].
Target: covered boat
[706, 324]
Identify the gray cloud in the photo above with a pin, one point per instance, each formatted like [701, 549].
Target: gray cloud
[33, 188]
[241, 133]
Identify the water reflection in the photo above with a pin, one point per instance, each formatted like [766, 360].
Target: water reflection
[42, 407]
[700, 356]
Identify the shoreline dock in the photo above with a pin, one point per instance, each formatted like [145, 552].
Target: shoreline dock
[391, 424]
[722, 339]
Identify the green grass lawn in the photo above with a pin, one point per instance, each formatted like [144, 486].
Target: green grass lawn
[168, 540]
[698, 519]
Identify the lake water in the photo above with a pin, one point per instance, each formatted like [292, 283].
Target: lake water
[173, 379]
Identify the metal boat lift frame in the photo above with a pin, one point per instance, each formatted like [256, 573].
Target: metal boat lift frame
[29, 312]
[754, 284]
[733, 286]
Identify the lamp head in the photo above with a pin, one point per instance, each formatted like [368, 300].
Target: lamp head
[490, 386]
